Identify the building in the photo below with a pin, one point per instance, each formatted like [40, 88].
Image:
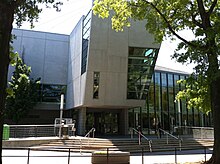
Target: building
[162, 107]
[108, 76]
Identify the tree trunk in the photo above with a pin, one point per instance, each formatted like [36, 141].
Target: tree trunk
[215, 92]
[214, 77]
[6, 20]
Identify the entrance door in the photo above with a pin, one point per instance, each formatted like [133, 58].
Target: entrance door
[105, 123]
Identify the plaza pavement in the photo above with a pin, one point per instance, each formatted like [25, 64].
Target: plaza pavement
[52, 157]
[16, 156]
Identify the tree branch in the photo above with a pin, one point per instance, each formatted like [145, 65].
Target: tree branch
[212, 7]
[18, 3]
[169, 25]
[196, 22]
[201, 9]
[204, 15]
[194, 16]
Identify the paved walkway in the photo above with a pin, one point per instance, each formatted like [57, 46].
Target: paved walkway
[51, 157]
[11, 156]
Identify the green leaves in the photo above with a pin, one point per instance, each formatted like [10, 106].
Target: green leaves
[22, 93]
[30, 10]
[168, 18]
[196, 93]
[120, 12]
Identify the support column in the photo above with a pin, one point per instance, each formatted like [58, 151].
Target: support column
[82, 121]
[124, 122]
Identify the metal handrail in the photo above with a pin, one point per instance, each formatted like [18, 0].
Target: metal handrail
[90, 131]
[141, 135]
[88, 135]
[168, 134]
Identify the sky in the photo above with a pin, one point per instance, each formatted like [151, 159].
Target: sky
[64, 21]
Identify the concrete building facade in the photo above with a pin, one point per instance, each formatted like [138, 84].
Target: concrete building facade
[107, 75]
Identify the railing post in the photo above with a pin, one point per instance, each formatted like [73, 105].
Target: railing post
[139, 138]
[69, 157]
[131, 133]
[142, 153]
[150, 145]
[28, 156]
[107, 155]
[205, 153]
[80, 146]
[93, 134]
[175, 156]
[180, 144]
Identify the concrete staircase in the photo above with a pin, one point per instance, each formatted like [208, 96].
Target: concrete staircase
[82, 144]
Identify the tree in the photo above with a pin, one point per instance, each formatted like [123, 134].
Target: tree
[196, 93]
[22, 92]
[167, 19]
[18, 10]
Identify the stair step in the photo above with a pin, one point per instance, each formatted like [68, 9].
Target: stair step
[122, 144]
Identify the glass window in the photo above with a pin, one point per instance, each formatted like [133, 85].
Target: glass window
[157, 96]
[141, 62]
[85, 40]
[165, 113]
[157, 78]
[182, 85]
[190, 117]
[51, 93]
[96, 79]
[196, 117]
[171, 93]
[170, 80]
[164, 79]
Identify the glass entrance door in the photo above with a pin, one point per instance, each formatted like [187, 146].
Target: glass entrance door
[105, 123]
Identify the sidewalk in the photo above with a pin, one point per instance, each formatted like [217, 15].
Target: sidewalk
[41, 157]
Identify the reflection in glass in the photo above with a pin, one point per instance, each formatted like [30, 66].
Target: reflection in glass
[103, 122]
[85, 40]
[51, 93]
[96, 78]
[141, 62]
[161, 107]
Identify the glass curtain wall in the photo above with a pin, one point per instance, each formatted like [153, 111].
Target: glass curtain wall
[159, 90]
[157, 103]
[134, 115]
[171, 105]
[162, 107]
[141, 62]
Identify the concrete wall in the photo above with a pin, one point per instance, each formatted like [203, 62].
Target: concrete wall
[56, 59]
[108, 54]
[46, 53]
[75, 82]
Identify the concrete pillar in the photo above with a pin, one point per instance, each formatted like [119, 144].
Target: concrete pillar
[124, 121]
[81, 121]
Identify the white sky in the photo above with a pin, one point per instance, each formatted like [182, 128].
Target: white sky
[63, 22]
